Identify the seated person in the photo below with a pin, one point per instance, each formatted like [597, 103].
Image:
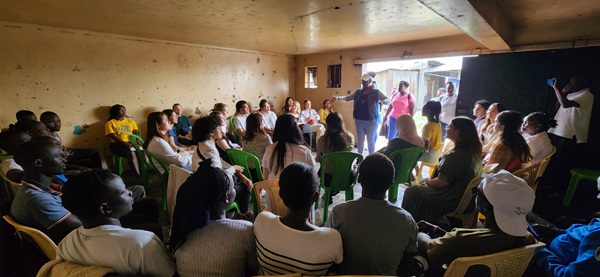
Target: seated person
[325, 111]
[488, 134]
[305, 128]
[268, 117]
[311, 117]
[242, 110]
[288, 146]
[571, 252]
[99, 198]
[9, 142]
[510, 151]
[480, 111]
[224, 143]
[407, 136]
[82, 157]
[23, 115]
[227, 127]
[335, 139]
[203, 241]
[206, 131]
[157, 142]
[534, 130]
[118, 128]
[38, 129]
[440, 195]
[255, 141]
[183, 127]
[172, 134]
[34, 128]
[505, 200]
[287, 108]
[37, 203]
[378, 236]
[290, 244]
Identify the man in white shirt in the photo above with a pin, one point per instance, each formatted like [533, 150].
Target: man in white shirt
[575, 102]
[99, 198]
[448, 102]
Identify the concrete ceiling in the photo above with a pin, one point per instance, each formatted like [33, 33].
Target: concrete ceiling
[311, 26]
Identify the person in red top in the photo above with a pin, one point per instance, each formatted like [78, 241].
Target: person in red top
[403, 102]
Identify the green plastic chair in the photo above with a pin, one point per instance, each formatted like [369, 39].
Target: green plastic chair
[241, 158]
[232, 128]
[404, 162]
[578, 174]
[342, 163]
[118, 161]
[2, 152]
[136, 141]
[164, 177]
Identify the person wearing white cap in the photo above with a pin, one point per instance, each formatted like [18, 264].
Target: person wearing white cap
[366, 111]
[505, 200]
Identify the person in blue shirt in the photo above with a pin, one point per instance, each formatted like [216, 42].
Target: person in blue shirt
[571, 252]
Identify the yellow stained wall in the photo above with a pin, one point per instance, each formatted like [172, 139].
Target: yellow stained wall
[351, 72]
[80, 74]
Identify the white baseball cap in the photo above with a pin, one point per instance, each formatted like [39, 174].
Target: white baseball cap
[511, 198]
[366, 77]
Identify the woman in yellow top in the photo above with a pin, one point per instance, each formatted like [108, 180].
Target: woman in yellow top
[325, 111]
[432, 132]
[118, 128]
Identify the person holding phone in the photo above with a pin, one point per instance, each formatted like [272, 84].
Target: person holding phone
[575, 102]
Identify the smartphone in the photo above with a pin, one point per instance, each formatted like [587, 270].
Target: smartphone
[550, 82]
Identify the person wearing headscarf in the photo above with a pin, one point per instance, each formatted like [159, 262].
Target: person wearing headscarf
[407, 136]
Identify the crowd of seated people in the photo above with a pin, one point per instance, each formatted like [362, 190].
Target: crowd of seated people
[273, 244]
[509, 150]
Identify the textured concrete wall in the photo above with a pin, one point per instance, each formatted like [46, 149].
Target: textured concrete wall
[79, 75]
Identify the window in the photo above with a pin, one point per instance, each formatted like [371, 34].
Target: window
[310, 77]
[335, 76]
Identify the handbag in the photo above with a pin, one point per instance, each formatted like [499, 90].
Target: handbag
[383, 131]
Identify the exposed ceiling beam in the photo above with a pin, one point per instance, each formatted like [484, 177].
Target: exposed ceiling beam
[484, 21]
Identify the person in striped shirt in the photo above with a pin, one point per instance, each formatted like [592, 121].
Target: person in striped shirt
[291, 244]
